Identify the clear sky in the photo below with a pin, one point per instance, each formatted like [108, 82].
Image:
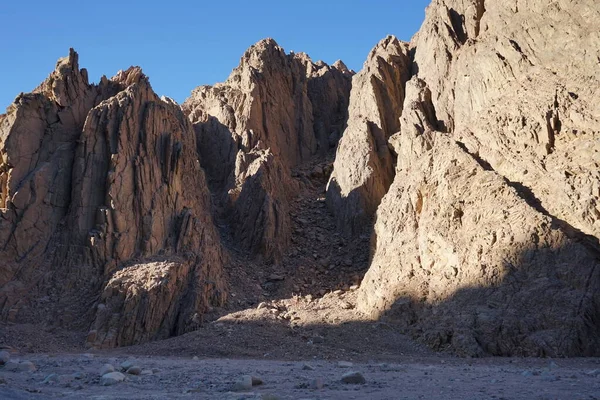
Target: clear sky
[186, 43]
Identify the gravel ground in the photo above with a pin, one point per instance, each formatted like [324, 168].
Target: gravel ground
[441, 377]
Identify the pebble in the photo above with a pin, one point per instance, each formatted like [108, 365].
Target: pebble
[344, 364]
[261, 305]
[195, 358]
[243, 384]
[316, 384]
[354, 378]
[106, 368]
[135, 370]
[112, 378]
[125, 365]
[52, 378]
[308, 367]
[256, 381]
[2, 381]
[23, 366]
[4, 357]
[147, 372]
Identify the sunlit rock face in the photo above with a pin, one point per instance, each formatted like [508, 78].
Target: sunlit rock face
[486, 242]
[102, 192]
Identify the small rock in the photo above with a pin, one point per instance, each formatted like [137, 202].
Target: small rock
[256, 381]
[135, 370]
[354, 287]
[526, 373]
[52, 378]
[318, 339]
[197, 389]
[243, 384]
[308, 367]
[549, 377]
[106, 368]
[347, 306]
[2, 381]
[338, 292]
[353, 378]
[77, 375]
[275, 278]
[195, 358]
[23, 366]
[147, 372]
[4, 357]
[261, 305]
[345, 364]
[316, 384]
[125, 365]
[112, 378]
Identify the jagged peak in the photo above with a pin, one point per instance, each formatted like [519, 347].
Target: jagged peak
[130, 76]
[341, 66]
[70, 61]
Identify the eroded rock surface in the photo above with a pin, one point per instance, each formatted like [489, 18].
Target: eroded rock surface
[276, 103]
[364, 165]
[94, 177]
[487, 241]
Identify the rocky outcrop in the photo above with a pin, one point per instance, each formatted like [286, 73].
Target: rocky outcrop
[364, 165]
[273, 102]
[487, 240]
[466, 263]
[94, 177]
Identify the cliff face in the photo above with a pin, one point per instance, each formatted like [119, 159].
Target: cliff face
[364, 165]
[274, 112]
[472, 152]
[94, 177]
[492, 217]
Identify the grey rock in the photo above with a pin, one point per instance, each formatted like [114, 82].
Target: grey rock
[316, 384]
[106, 368]
[243, 384]
[345, 364]
[308, 367]
[4, 357]
[125, 365]
[353, 378]
[256, 381]
[135, 370]
[112, 378]
[52, 378]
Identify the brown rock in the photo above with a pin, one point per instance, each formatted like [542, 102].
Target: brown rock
[364, 166]
[94, 176]
[275, 111]
[480, 246]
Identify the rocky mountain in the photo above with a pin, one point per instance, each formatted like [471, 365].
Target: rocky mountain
[102, 192]
[486, 241]
[470, 156]
[273, 113]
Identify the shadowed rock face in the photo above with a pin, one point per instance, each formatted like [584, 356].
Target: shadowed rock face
[94, 176]
[274, 102]
[487, 240]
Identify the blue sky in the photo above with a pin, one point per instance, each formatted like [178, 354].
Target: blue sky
[183, 44]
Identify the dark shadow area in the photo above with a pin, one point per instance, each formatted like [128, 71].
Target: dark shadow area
[546, 305]
[539, 309]
[458, 23]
